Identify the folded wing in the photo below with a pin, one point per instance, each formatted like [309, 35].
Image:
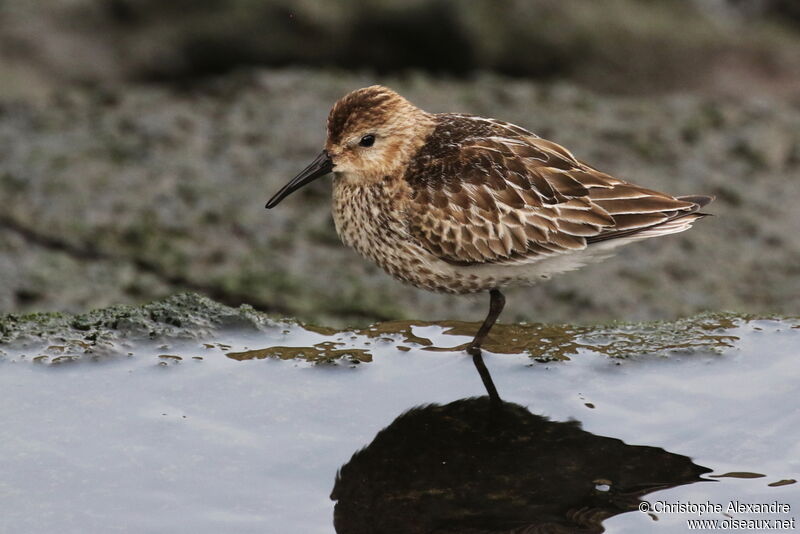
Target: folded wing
[517, 200]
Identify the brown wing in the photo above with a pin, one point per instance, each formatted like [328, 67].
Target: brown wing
[516, 200]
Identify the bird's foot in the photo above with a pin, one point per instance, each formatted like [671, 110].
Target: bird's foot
[474, 350]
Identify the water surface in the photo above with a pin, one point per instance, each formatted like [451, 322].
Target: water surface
[245, 430]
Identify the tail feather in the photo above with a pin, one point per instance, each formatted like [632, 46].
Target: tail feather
[700, 200]
[680, 221]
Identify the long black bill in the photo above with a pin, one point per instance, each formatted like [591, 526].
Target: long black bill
[319, 167]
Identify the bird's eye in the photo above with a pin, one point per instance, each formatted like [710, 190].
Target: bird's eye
[367, 140]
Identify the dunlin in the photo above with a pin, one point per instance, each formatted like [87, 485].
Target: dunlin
[460, 204]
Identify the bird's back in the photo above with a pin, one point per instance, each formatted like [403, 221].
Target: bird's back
[485, 191]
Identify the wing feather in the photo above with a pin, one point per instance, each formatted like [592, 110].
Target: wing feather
[517, 199]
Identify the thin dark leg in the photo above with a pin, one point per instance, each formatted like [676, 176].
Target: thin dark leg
[496, 303]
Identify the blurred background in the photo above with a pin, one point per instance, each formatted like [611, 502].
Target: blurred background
[139, 140]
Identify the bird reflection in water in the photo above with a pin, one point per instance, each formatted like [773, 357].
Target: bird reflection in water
[479, 465]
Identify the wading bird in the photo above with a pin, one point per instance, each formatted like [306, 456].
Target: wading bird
[460, 204]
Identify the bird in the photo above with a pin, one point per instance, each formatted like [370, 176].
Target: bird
[462, 204]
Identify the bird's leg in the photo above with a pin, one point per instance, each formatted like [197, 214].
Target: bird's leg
[496, 303]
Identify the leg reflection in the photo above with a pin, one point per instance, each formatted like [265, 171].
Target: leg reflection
[477, 359]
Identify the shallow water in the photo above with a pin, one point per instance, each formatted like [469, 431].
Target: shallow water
[219, 435]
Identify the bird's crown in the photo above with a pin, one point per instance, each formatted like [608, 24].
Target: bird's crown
[370, 107]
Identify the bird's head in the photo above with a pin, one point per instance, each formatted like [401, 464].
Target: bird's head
[372, 133]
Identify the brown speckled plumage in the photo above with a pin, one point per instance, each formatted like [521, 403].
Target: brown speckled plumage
[461, 204]
[481, 202]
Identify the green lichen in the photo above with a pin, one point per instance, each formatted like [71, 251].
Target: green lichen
[112, 331]
[186, 315]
